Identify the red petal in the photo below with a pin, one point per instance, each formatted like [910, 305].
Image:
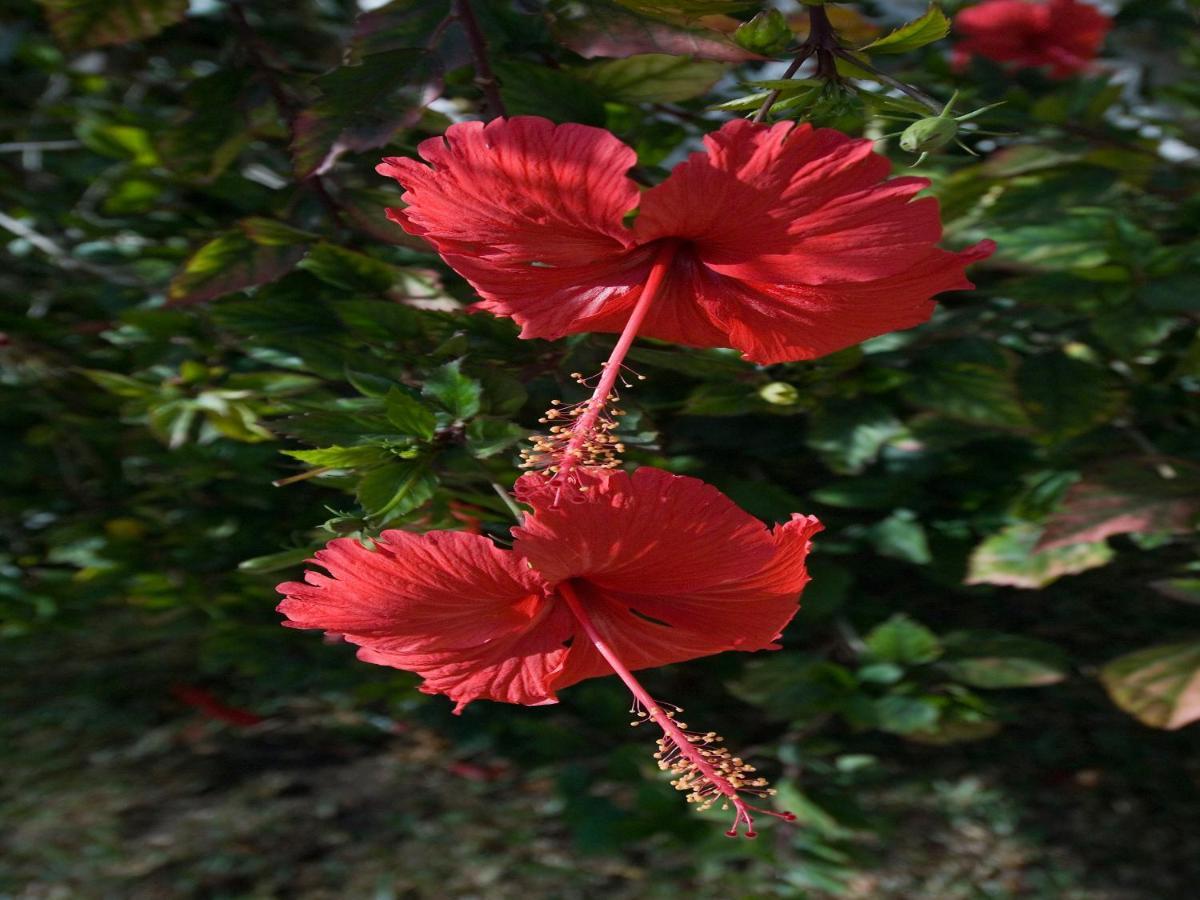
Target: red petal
[450, 606]
[773, 323]
[791, 205]
[668, 568]
[650, 531]
[531, 214]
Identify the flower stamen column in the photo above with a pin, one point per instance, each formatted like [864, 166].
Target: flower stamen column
[707, 771]
[586, 441]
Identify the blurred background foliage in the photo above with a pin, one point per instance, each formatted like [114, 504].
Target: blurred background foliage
[216, 354]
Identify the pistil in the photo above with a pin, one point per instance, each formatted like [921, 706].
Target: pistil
[703, 768]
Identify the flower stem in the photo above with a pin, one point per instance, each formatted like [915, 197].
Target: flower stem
[485, 78]
[689, 746]
[582, 430]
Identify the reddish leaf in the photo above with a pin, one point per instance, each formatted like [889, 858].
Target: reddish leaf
[603, 28]
[1124, 498]
[1159, 685]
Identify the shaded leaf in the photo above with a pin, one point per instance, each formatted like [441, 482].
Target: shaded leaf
[984, 659]
[1159, 685]
[410, 415]
[395, 489]
[348, 269]
[848, 437]
[653, 78]
[256, 252]
[459, 394]
[902, 640]
[80, 24]
[1064, 397]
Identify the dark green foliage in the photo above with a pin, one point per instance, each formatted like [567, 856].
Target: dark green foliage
[216, 355]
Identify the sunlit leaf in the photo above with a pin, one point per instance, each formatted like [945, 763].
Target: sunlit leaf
[933, 26]
[1010, 557]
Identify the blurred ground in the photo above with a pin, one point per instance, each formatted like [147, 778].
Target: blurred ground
[318, 801]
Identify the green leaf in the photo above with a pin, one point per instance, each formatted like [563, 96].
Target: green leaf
[275, 562]
[362, 106]
[653, 78]
[396, 489]
[986, 659]
[1159, 685]
[901, 536]
[257, 252]
[80, 24]
[348, 270]
[902, 640]
[849, 437]
[1010, 557]
[933, 26]
[410, 415]
[457, 393]
[555, 94]
[793, 686]
[342, 457]
[124, 142]
[978, 392]
[1065, 397]
[487, 437]
[898, 714]
[121, 385]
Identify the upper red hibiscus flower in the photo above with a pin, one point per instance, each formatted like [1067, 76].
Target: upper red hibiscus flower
[636, 571]
[1063, 34]
[785, 242]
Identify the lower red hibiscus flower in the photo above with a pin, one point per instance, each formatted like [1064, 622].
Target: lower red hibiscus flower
[1064, 35]
[784, 242]
[632, 572]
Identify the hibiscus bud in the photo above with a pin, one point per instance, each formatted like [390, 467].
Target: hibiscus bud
[779, 393]
[928, 134]
[766, 34]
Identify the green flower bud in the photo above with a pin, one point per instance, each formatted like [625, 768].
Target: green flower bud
[766, 34]
[779, 393]
[928, 134]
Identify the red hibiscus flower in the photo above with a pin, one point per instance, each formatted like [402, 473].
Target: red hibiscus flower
[1062, 34]
[637, 571]
[785, 242]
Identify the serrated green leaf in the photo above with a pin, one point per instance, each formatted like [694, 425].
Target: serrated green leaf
[348, 269]
[396, 489]
[410, 415]
[257, 252]
[991, 660]
[275, 562]
[933, 26]
[342, 457]
[459, 394]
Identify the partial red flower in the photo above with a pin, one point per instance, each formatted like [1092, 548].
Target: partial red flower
[632, 572]
[785, 242]
[1064, 35]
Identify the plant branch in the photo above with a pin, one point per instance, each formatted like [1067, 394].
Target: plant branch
[61, 257]
[485, 78]
[884, 78]
[821, 42]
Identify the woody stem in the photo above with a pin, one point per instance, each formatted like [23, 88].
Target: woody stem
[661, 719]
[581, 431]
